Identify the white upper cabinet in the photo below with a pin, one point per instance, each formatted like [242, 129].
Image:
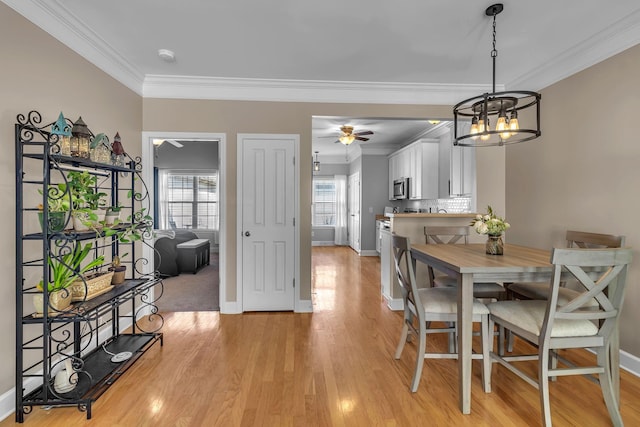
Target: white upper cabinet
[419, 163]
[457, 168]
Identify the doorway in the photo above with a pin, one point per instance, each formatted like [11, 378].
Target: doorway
[187, 170]
[268, 182]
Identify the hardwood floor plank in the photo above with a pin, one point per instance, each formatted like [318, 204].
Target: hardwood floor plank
[334, 367]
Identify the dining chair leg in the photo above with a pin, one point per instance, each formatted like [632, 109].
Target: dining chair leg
[543, 385]
[453, 337]
[422, 345]
[486, 333]
[404, 336]
[607, 386]
[501, 339]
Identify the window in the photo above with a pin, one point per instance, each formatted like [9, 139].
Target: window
[324, 202]
[192, 201]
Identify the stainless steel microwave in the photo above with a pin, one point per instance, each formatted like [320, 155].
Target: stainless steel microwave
[401, 188]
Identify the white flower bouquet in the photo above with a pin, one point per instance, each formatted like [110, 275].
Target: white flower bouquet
[489, 223]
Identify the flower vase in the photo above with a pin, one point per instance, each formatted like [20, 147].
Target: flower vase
[495, 245]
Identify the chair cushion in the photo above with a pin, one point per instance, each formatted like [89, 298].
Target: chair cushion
[445, 301]
[529, 315]
[541, 290]
[478, 287]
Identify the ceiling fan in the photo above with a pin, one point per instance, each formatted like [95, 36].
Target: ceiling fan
[159, 142]
[347, 135]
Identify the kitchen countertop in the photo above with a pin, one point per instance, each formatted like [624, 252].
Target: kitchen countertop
[432, 215]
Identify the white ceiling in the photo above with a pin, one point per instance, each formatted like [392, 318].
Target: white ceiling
[409, 51]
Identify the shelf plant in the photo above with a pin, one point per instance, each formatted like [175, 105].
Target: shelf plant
[66, 266]
[58, 204]
[86, 199]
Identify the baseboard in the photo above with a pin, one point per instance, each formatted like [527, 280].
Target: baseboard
[369, 252]
[395, 304]
[304, 306]
[8, 399]
[321, 243]
[229, 307]
[630, 363]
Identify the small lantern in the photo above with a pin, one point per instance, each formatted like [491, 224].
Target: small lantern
[100, 150]
[80, 135]
[63, 130]
[117, 151]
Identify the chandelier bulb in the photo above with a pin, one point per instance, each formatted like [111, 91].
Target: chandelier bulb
[474, 128]
[513, 122]
[502, 126]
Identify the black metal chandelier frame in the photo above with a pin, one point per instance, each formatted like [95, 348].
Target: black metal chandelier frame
[501, 104]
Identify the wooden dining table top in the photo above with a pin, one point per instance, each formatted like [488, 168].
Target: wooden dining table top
[472, 258]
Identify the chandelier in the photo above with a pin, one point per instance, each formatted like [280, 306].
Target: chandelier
[501, 107]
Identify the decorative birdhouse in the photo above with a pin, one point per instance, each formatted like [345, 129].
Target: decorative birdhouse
[80, 135]
[62, 130]
[117, 151]
[100, 149]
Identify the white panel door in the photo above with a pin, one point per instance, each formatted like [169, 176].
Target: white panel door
[268, 229]
[354, 211]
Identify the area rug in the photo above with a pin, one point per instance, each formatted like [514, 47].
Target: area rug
[192, 292]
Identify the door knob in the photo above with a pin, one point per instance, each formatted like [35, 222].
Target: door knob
[246, 233]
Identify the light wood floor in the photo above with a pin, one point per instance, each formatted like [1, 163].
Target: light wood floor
[334, 367]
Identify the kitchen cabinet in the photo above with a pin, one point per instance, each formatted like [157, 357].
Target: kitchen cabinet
[463, 170]
[457, 165]
[419, 163]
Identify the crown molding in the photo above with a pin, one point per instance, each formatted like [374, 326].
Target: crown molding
[56, 19]
[614, 39]
[53, 17]
[240, 89]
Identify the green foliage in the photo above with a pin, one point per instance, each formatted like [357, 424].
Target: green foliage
[84, 192]
[58, 199]
[65, 268]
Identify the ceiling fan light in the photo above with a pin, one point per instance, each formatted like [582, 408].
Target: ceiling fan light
[347, 139]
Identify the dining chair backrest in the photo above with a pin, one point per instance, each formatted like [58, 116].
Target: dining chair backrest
[446, 235]
[582, 239]
[405, 272]
[610, 265]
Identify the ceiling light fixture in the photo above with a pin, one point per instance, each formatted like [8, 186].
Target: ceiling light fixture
[167, 55]
[507, 106]
[347, 139]
[316, 163]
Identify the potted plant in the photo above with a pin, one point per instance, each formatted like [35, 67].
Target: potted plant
[493, 226]
[66, 267]
[112, 216]
[86, 200]
[118, 269]
[58, 204]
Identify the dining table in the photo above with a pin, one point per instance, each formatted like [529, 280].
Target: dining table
[470, 263]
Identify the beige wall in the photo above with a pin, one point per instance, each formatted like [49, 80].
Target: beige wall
[38, 73]
[584, 172]
[233, 117]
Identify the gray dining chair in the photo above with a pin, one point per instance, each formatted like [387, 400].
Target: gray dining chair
[422, 306]
[454, 235]
[551, 325]
[578, 239]
[541, 290]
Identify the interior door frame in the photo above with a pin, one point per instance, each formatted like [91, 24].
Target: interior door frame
[148, 161]
[298, 305]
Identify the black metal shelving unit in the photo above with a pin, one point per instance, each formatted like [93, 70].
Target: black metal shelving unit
[91, 331]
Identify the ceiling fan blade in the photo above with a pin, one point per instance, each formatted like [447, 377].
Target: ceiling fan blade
[364, 132]
[174, 143]
[359, 138]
